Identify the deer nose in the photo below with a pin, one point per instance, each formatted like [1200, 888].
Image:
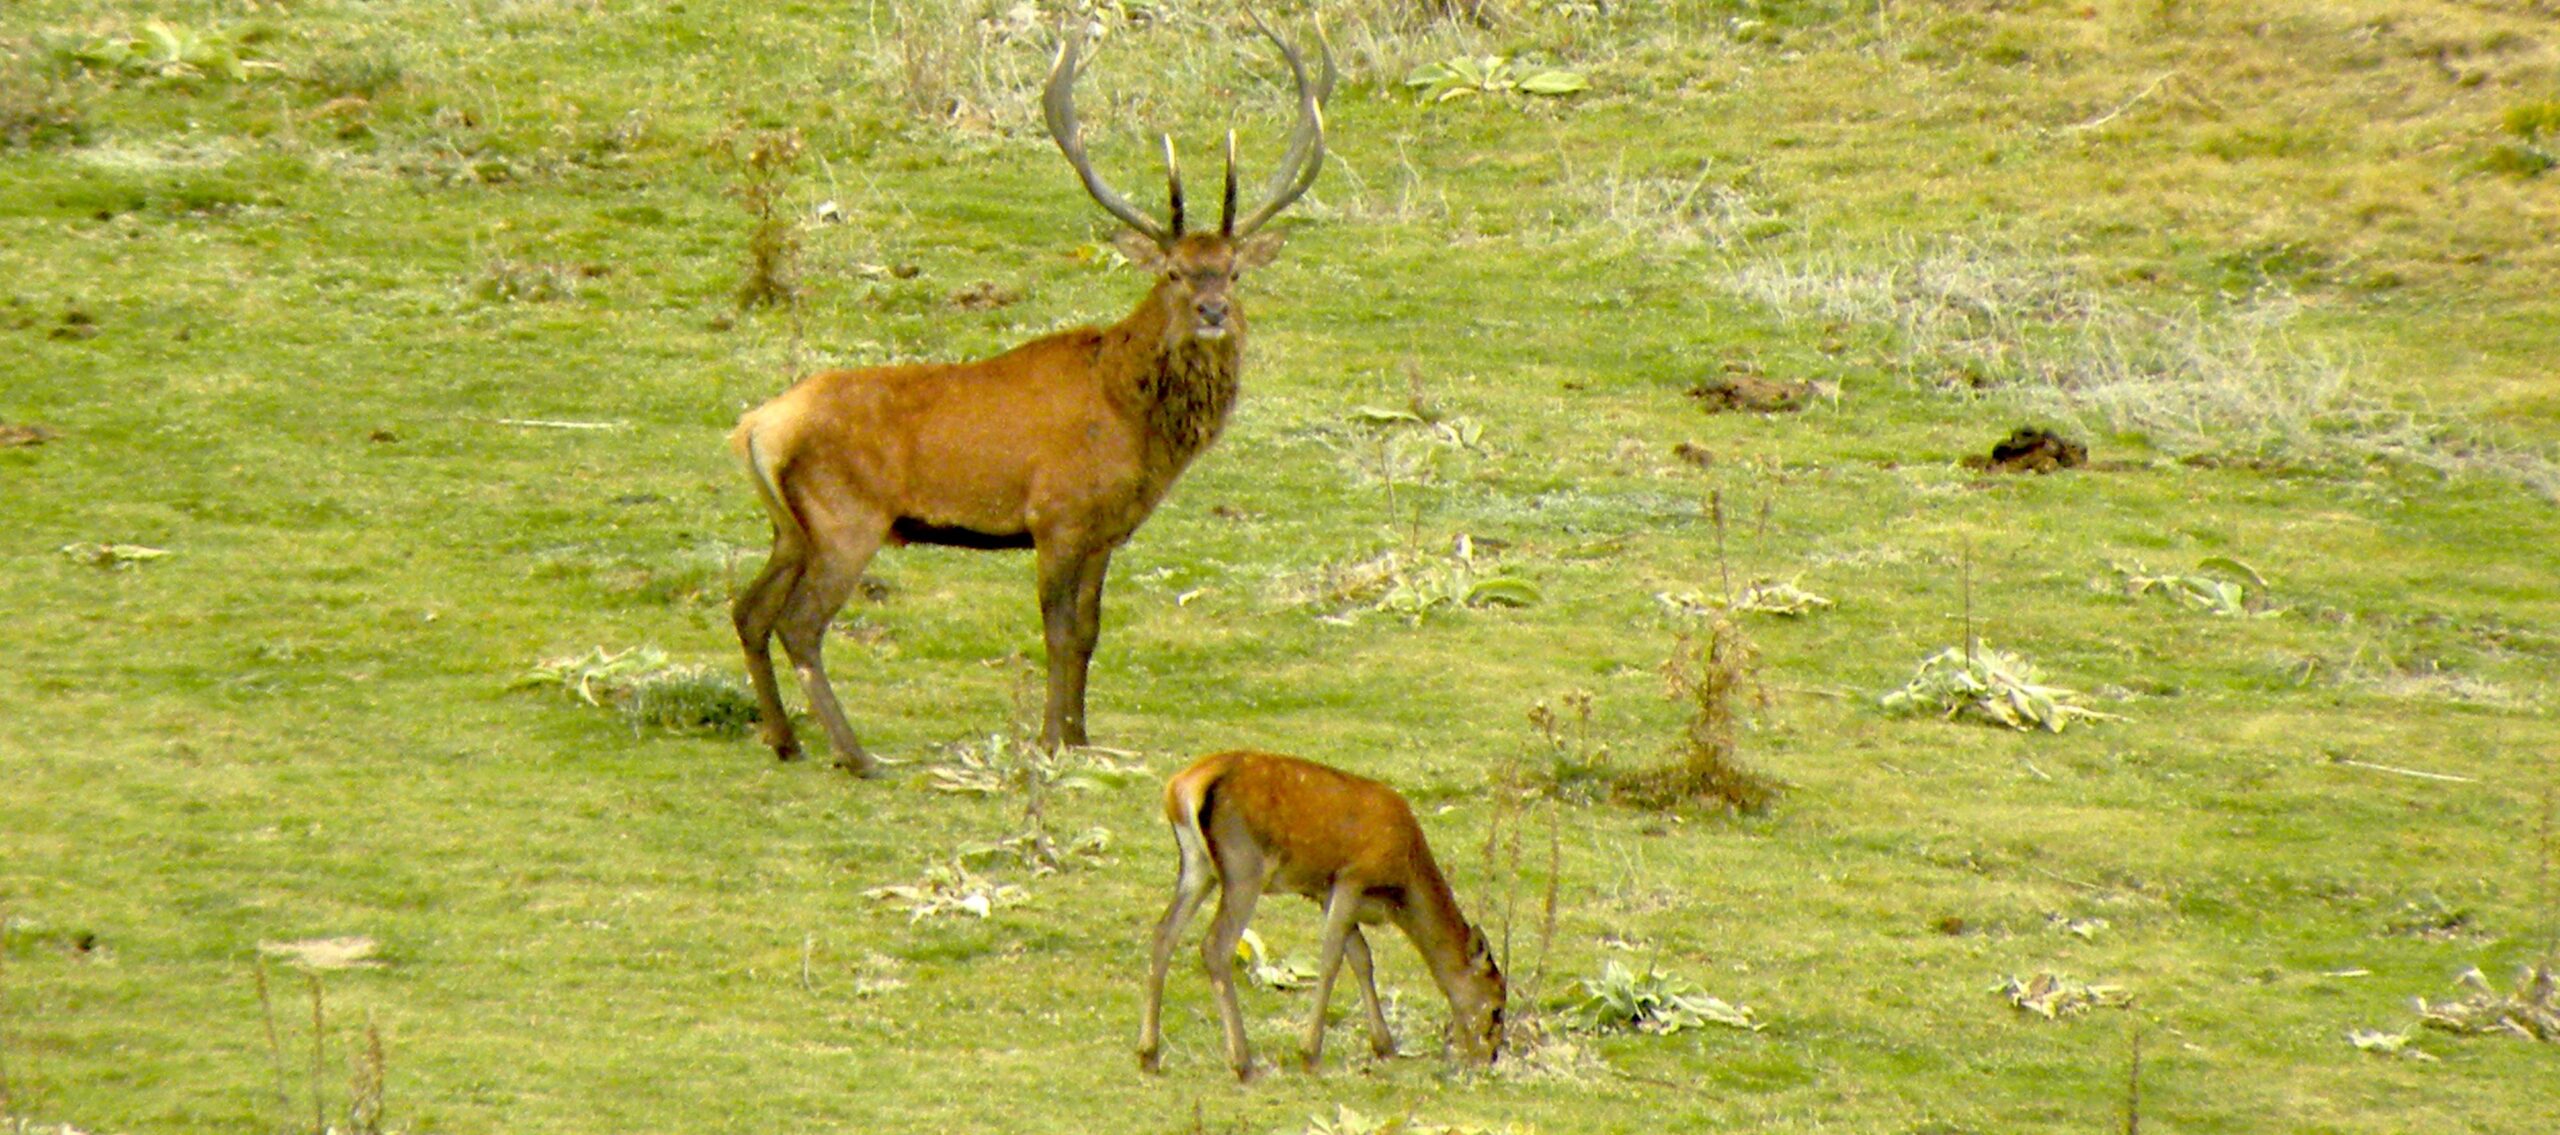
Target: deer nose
[1213, 313]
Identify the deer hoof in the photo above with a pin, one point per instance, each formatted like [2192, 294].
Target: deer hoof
[1151, 1062]
[860, 765]
[786, 750]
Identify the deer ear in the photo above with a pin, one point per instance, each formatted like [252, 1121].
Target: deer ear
[1141, 250]
[1256, 251]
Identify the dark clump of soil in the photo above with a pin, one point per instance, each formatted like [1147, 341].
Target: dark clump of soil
[76, 324]
[985, 295]
[2031, 449]
[1746, 391]
[1694, 454]
[12, 435]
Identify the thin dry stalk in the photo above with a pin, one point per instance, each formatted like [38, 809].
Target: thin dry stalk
[2133, 1085]
[7, 1100]
[369, 1069]
[1555, 886]
[319, 1033]
[1715, 515]
[275, 1044]
[1510, 797]
[2542, 882]
[1972, 644]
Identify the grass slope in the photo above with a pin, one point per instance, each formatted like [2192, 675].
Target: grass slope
[278, 277]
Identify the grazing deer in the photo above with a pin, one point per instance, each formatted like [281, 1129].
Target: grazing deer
[1254, 821]
[1062, 445]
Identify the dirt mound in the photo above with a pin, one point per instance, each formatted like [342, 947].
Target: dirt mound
[1750, 392]
[14, 435]
[2031, 449]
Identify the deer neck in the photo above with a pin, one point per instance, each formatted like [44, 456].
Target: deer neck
[1430, 917]
[1180, 390]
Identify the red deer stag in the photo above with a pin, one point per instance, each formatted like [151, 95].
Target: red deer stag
[1253, 821]
[1062, 445]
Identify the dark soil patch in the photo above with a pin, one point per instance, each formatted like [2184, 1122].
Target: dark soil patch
[985, 295]
[1744, 391]
[2031, 449]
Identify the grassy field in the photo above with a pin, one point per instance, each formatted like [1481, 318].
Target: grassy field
[409, 332]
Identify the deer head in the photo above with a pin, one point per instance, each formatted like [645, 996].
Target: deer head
[1195, 269]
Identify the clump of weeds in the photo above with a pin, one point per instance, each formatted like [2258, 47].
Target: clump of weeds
[1717, 678]
[763, 163]
[649, 690]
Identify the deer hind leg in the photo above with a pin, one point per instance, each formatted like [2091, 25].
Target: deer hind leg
[1071, 618]
[839, 548]
[1190, 889]
[1355, 949]
[755, 612]
[1243, 878]
[1341, 913]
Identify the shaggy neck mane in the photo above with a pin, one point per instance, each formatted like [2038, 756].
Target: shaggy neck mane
[1181, 391]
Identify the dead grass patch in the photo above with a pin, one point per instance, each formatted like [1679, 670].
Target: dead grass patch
[2229, 382]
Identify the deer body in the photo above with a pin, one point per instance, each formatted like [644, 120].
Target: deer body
[1251, 822]
[1063, 445]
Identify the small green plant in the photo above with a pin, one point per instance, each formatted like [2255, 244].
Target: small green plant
[354, 74]
[949, 888]
[1413, 586]
[1467, 76]
[1578, 767]
[764, 161]
[113, 557]
[39, 112]
[160, 50]
[2535, 148]
[649, 690]
[2053, 996]
[1760, 596]
[1269, 971]
[2217, 587]
[2531, 1010]
[507, 280]
[1345, 1121]
[1622, 1000]
[1989, 685]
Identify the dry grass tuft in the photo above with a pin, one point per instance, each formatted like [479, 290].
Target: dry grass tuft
[1716, 677]
[2226, 384]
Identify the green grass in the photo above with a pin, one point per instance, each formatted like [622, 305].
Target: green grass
[321, 290]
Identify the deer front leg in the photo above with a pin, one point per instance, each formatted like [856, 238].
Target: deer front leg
[1071, 622]
[1341, 908]
[1382, 1042]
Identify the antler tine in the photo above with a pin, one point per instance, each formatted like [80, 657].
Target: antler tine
[1173, 186]
[1304, 157]
[1227, 209]
[1057, 105]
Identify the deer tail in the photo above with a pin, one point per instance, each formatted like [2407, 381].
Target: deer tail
[754, 447]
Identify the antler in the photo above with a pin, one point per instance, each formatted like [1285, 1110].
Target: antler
[1299, 164]
[1304, 158]
[1058, 105]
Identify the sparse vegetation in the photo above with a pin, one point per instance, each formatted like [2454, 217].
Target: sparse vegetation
[763, 161]
[1620, 999]
[1716, 680]
[411, 332]
[650, 690]
[1992, 686]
